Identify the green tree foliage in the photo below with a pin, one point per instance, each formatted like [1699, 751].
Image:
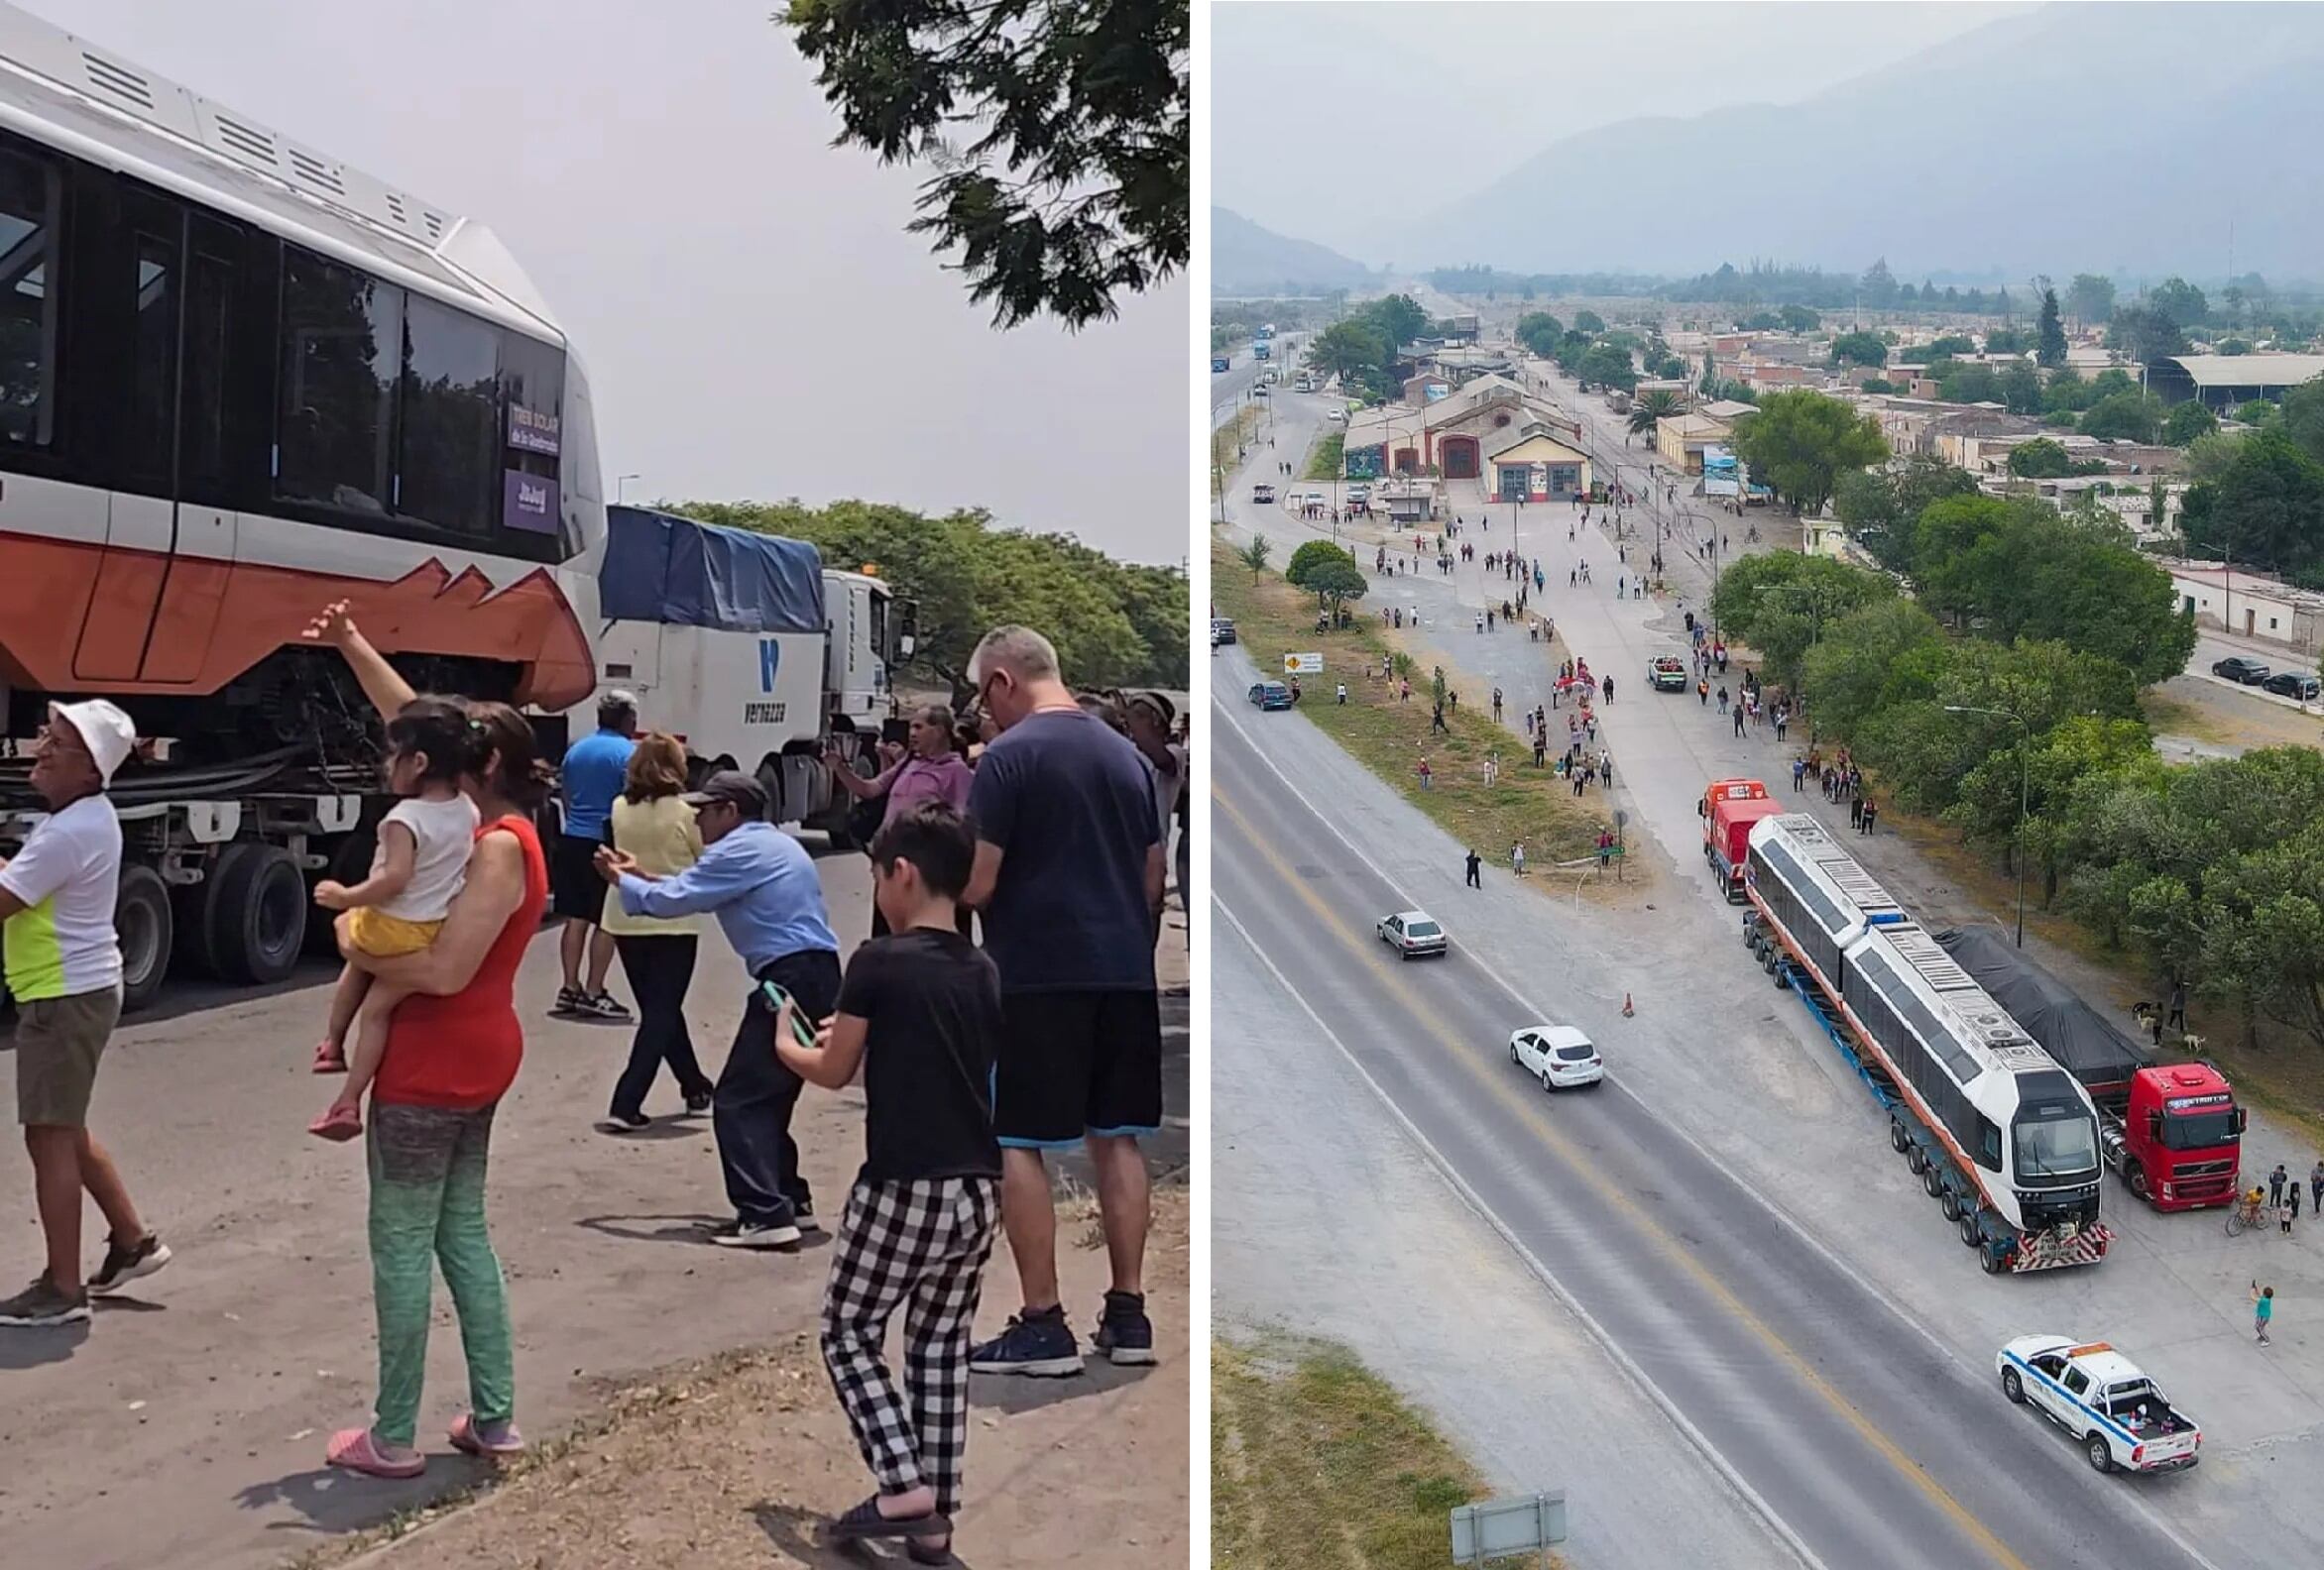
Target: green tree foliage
[1859, 348]
[2090, 299]
[2186, 422]
[1313, 554]
[1607, 366]
[1969, 382]
[2020, 388]
[1335, 582]
[1538, 331]
[2264, 510]
[1400, 317]
[1877, 384]
[1256, 555]
[1650, 407]
[1356, 351]
[2259, 411]
[1798, 319]
[1761, 321]
[1589, 323]
[2013, 568]
[2006, 340]
[1781, 603]
[1058, 133]
[2067, 394]
[2147, 334]
[2050, 335]
[1944, 348]
[2136, 415]
[2302, 411]
[1883, 506]
[1114, 624]
[2179, 302]
[2041, 459]
[1801, 442]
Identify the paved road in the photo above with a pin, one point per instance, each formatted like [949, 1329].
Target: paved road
[1865, 1442]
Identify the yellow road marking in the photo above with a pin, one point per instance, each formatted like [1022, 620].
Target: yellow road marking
[1643, 1219]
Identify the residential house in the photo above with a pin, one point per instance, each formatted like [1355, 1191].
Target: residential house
[2248, 604]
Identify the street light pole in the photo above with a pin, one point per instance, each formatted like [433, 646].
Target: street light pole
[2024, 767]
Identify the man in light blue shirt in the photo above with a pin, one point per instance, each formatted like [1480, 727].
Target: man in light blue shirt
[593, 770]
[761, 885]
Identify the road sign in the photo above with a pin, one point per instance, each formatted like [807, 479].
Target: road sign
[1498, 1528]
[1303, 664]
[1621, 819]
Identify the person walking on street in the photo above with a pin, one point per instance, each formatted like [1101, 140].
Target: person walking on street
[1496, 706]
[2275, 1182]
[1475, 864]
[1608, 688]
[2291, 1197]
[1738, 720]
[919, 1013]
[1517, 859]
[2262, 1310]
[595, 770]
[1798, 774]
[63, 968]
[1702, 693]
[1425, 778]
[1722, 698]
[2177, 1018]
[1856, 815]
[1067, 887]
[2316, 1188]
[762, 887]
[1871, 814]
[652, 823]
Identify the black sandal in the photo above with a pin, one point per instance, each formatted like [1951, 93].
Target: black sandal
[864, 1521]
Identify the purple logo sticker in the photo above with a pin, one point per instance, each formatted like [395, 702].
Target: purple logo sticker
[528, 503]
[529, 430]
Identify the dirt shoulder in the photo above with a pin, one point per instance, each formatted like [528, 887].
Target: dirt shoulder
[737, 1460]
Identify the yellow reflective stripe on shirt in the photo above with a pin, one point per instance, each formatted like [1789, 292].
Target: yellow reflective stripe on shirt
[31, 954]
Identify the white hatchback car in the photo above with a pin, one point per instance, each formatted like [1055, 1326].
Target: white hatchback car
[1558, 1056]
[1412, 934]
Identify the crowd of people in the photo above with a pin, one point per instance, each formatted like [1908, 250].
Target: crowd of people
[1043, 827]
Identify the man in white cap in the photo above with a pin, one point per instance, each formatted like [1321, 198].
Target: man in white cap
[63, 968]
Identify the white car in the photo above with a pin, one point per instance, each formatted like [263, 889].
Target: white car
[2099, 1396]
[1558, 1056]
[1335, 415]
[1413, 933]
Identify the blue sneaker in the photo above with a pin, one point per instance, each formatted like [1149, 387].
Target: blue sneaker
[1124, 1334]
[1040, 1344]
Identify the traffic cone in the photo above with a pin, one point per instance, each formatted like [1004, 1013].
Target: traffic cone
[1627, 1011]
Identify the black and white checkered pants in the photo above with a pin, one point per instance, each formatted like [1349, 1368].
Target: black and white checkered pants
[921, 1246]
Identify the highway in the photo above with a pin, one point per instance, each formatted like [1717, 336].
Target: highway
[1860, 1439]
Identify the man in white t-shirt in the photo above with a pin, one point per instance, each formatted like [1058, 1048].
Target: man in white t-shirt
[63, 968]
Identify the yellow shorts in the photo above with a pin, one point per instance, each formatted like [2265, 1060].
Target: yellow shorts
[384, 936]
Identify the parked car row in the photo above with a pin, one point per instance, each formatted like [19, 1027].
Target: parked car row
[2247, 671]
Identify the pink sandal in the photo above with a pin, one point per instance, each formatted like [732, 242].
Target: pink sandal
[468, 1440]
[355, 1450]
[329, 1058]
[338, 1123]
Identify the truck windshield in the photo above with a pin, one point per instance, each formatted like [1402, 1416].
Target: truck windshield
[2199, 1130]
[2056, 1142]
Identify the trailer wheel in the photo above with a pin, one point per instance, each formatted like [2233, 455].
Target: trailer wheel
[145, 925]
[1899, 1139]
[2012, 1386]
[1915, 1159]
[1949, 1204]
[1992, 1262]
[1932, 1181]
[1971, 1233]
[2096, 1448]
[255, 914]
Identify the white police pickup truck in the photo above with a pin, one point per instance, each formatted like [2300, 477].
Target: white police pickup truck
[2099, 1396]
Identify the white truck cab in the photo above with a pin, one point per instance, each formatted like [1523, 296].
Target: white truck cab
[2102, 1399]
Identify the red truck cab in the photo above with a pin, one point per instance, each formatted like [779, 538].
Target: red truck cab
[1729, 809]
[2180, 1138]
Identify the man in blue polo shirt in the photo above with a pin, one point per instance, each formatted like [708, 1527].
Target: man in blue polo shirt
[762, 887]
[594, 771]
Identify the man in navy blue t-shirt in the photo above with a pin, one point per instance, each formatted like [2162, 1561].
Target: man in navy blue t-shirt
[592, 775]
[1068, 882]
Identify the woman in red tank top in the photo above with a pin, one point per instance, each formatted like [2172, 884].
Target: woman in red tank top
[453, 1049]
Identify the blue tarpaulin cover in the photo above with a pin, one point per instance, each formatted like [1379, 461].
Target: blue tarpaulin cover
[659, 567]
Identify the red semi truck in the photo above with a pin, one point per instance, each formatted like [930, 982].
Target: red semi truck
[1729, 809]
[2172, 1131]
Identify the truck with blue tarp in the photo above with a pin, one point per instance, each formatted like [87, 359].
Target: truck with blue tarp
[747, 648]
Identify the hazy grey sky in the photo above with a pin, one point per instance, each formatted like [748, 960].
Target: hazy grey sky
[755, 321]
[1318, 107]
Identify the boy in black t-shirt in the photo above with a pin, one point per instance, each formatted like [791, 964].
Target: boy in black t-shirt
[920, 1011]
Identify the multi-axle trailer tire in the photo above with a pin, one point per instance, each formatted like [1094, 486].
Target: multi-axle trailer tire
[147, 927]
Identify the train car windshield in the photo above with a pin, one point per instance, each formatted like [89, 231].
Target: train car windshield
[2057, 1142]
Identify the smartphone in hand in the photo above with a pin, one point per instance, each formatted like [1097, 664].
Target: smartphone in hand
[802, 1028]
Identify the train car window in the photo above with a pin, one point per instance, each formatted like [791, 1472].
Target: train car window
[209, 318]
[153, 380]
[28, 302]
[342, 358]
[448, 474]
